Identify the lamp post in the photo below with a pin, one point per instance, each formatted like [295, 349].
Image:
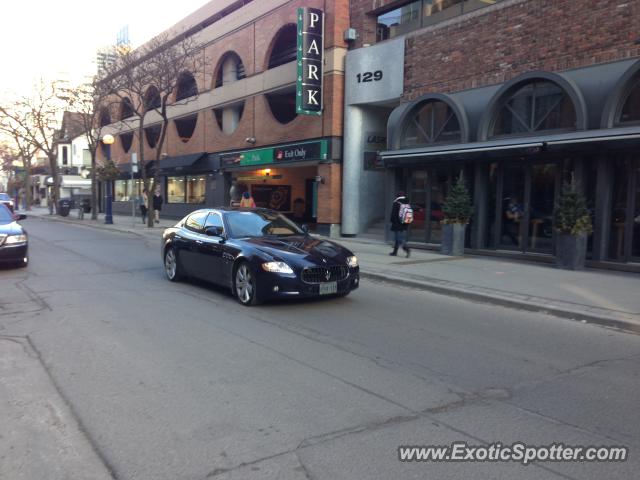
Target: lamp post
[108, 140]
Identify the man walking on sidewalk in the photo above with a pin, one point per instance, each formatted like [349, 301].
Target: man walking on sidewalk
[398, 227]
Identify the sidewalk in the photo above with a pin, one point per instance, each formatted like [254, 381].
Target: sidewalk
[607, 298]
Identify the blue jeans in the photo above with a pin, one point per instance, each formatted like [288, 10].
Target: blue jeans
[400, 239]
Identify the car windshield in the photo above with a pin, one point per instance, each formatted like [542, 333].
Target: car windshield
[260, 224]
[5, 215]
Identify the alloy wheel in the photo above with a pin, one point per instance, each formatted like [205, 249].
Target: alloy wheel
[245, 287]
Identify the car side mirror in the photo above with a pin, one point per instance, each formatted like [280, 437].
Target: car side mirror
[305, 229]
[19, 216]
[214, 231]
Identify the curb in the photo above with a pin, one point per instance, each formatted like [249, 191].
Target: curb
[561, 312]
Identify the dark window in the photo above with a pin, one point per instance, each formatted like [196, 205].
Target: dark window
[65, 156]
[631, 106]
[195, 222]
[283, 104]
[126, 108]
[186, 126]
[105, 117]
[152, 134]
[422, 13]
[230, 69]
[535, 107]
[435, 122]
[152, 98]
[187, 86]
[126, 139]
[284, 47]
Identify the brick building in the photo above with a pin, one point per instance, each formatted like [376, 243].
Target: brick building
[519, 95]
[241, 130]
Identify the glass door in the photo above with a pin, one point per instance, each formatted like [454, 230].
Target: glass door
[624, 233]
[418, 199]
[525, 199]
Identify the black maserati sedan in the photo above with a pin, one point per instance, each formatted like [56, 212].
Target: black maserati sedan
[259, 254]
[14, 247]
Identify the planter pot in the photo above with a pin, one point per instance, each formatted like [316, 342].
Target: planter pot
[453, 239]
[571, 251]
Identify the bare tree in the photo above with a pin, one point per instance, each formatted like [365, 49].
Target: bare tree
[87, 100]
[38, 119]
[149, 78]
[14, 127]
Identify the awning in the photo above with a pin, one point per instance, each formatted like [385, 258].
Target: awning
[521, 146]
[74, 181]
[181, 163]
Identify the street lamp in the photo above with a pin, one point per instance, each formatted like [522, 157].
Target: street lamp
[108, 140]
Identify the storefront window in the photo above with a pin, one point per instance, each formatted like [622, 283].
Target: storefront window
[121, 191]
[635, 244]
[189, 189]
[619, 209]
[537, 106]
[175, 190]
[196, 188]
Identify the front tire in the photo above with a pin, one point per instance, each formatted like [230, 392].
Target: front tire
[172, 268]
[244, 285]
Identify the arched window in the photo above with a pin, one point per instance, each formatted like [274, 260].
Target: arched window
[630, 112]
[187, 86]
[126, 139]
[537, 106]
[152, 98]
[186, 126]
[434, 122]
[284, 46]
[153, 134]
[230, 69]
[126, 108]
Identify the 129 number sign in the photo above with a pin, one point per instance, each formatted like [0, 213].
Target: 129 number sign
[369, 76]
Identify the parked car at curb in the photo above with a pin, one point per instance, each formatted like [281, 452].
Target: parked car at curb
[5, 199]
[14, 243]
[258, 254]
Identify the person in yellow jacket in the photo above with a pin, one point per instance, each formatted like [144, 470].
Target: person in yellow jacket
[247, 201]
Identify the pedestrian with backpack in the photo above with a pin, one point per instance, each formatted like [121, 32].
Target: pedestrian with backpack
[401, 217]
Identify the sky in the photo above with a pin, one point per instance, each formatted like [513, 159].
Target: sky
[58, 39]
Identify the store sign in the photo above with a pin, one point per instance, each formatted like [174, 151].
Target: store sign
[375, 73]
[285, 153]
[374, 143]
[301, 151]
[310, 61]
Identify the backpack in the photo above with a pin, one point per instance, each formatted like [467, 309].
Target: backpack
[405, 213]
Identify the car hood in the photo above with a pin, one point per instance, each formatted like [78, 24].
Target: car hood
[302, 248]
[12, 228]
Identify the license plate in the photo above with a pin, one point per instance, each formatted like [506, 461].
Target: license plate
[328, 288]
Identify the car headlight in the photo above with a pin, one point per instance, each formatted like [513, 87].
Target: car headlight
[276, 267]
[352, 261]
[15, 239]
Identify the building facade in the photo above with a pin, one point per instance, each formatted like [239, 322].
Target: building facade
[517, 95]
[237, 128]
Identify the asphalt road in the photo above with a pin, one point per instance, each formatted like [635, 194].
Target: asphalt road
[178, 381]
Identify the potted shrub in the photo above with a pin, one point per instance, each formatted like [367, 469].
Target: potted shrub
[572, 223]
[457, 210]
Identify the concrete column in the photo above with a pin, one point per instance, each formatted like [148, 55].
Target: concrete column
[352, 169]
[230, 115]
